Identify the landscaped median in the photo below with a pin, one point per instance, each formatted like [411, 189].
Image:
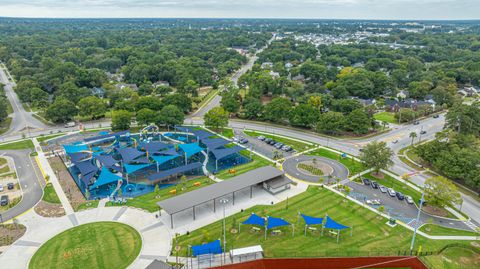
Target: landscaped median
[17, 145]
[354, 166]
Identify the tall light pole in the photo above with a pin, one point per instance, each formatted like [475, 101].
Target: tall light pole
[417, 220]
[224, 201]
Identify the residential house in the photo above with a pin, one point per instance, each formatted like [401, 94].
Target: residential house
[274, 75]
[121, 86]
[403, 94]
[98, 92]
[160, 83]
[267, 65]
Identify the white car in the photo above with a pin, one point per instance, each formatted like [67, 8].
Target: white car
[391, 192]
[409, 199]
[1, 187]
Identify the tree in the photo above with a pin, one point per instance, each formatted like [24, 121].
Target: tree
[377, 155]
[121, 120]
[190, 87]
[38, 97]
[277, 110]
[216, 118]
[62, 110]
[149, 102]
[71, 92]
[145, 116]
[441, 192]
[180, 100]
[231, 100]
[331, 122]
[358, 121]
[170, 115]
[3, 108]
[413, 135]
[253, 108]
[92, 106]
[304, 115]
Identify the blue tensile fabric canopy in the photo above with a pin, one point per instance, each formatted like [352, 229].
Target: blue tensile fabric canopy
[129, 154]
[107, 160]
[222, 153]
[86, 179]
[190, 149]
[171, 152]
[312, 220]
[75, 148]
[78, 156]
[105, 136]
[208, 248]
[183, 129]
[162, 159]
[174, 171]
[132, 168]
[105, 177]
[331, 224]
[201, 134]
[214, 143]
[142, 159]
[86, 167]
[154, 146]
[276, 222]
[255, 219]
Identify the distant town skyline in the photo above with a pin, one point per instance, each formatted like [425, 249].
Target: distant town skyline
[312, 9]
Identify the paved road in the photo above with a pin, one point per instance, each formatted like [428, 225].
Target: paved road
[28, 180]
[21, 119]
[290, 167]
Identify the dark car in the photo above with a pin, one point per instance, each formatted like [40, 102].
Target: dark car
[278, 145]
[436, 116]
[287, 148]
[10, 186]
[4, 200]
[416, 122]
[423, 132]
[267, 140]
[366, 181]
[272, 142]
[374, 184]
[400, 196]
[243, 141]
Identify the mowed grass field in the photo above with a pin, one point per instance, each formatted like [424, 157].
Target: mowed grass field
[99, 245]
[370, 235]
[386, 116]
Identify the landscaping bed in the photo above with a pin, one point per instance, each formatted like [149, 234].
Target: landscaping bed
[354, 167]
[9, 233]
[49, 210]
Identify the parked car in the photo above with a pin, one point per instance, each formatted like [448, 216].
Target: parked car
[383, 189]
[4, 200]
[70, 124]
[436, 116]
[400, 196]
[416, 122]
[278, 145]
[423, 132]
[374, 184]
[1, 187]
[273, 142]
[10, 186]
[261, 137]
[409, 199]
[395, 141]
[391, 192]
[366, 181]
[287, 148]
[361, 149]
[235, 139]
[267, 140]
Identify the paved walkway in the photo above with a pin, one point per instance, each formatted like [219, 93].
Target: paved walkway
[48, 171]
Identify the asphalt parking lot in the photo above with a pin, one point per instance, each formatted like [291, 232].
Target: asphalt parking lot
[260, 146]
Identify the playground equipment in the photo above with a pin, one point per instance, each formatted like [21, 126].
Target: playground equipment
[150, 131]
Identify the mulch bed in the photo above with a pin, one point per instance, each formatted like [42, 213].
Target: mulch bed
[66, 181]
[49, 210]
[433, 210]
[9, 233]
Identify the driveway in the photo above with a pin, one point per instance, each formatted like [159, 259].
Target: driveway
[29, 183]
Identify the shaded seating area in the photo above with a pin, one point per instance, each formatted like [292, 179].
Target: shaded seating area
[159, 160]
[174, 171]
[224, 152]
[310, 221]
[333, 225]
[268, 224]
[190, 150]
[325, 223]
[208, 248]
[214, 143]
[277, 222]
[105, 177]
[254, 220]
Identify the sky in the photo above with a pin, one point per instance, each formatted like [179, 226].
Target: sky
[315, 9]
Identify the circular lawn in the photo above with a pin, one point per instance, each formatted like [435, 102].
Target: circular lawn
[93, 245]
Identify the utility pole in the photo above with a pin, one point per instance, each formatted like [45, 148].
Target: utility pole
[417, 220]
[224, 201]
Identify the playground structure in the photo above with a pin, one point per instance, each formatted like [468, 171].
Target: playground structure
[129, 165]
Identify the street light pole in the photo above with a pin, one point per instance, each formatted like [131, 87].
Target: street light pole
[417, 220]
[224, 201]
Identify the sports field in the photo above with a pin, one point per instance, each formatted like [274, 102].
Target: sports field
[96, 245]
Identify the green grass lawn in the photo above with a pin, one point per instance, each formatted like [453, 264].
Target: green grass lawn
[433, 229]
[227, 132]
[49, 194]
[353, 166]
[3, 161]
[93, 245]
[23, 144]
[386, 116]
[47, 137]
[149, 201]
[4, 169]
[5, 125]
[87, 205]
[391, 182]
[297, 145]
[371, 236]
[454, 258]
[256, 162]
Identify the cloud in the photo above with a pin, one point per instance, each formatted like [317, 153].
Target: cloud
[343, 9]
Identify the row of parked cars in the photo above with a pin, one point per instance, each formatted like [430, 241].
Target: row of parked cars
[276, 144]
[4, 198]
[10, 186]
[389, 191]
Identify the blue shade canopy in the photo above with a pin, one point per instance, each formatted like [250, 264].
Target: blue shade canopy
[222, 153]
[201, 134]
[132, 168]
[105, 136]
[255, 219]
[107, 160]
[129, 154]
[163, 159]
[86, 167]
[171, 152]
[276, 222]
[75, 148]
[78, 156]
[190, 149]
[153, 146]
[312, 220]
[105, 177]
[213, 143]
[208, 248]
[331, 224]
[174, 171]
[86, 179]
[183, 129]
[142, 159]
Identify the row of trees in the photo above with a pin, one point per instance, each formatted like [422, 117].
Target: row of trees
[3, 104]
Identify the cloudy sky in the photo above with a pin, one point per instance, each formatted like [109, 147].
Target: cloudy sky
[338, 9]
